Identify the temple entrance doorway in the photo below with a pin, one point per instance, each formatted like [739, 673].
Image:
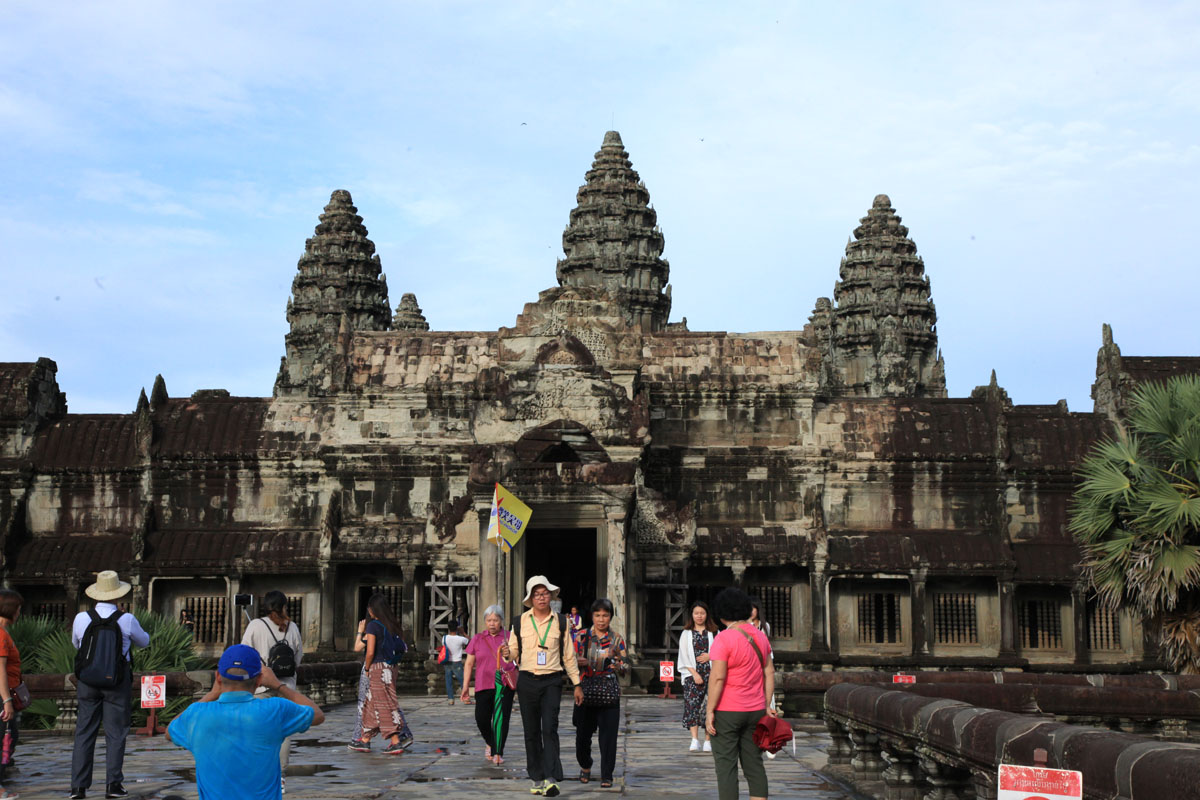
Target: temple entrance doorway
[567, 557]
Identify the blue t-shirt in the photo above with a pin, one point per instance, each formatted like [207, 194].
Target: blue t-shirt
[388, 646]
[235, 741]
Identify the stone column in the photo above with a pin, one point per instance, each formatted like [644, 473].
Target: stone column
[1079, 617]
[489, 565]
[817, 586]
[232, 628]
[949, 783]
[1008, 619]
[840, 750]
[866, 761]
[615, 519]
[900, 779]
[328, 609]
[920, 632]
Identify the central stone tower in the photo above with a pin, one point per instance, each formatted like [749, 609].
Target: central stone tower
[613, 242]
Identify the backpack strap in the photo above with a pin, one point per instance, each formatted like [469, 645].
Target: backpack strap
[562, 641]
[263, 620]
[762, 662]
[93, 615]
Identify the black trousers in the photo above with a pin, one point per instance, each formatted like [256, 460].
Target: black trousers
[608, 720]
[114, 706]
[485, 705]
[540, 697]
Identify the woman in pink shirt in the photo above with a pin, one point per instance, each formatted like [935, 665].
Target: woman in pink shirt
[739, 694]
[481, 660]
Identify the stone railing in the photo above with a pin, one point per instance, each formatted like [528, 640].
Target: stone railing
[899, 745]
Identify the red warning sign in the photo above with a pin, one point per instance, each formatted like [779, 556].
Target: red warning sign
[666, 670]
[154, 691]
[902, 678]
[1039, 783]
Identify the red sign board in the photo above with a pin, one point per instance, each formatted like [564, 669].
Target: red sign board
[1039, 783]
[666, 670]
[154, 691]
[902, 678]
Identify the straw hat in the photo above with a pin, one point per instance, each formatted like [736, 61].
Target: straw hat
[538, 580]
[107, 586]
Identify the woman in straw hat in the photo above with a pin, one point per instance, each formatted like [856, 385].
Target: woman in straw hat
[540, 645]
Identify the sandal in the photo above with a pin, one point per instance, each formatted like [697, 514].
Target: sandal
[606, 783]
[585, 775]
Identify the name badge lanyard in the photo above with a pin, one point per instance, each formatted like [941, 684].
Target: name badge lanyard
[541, 656]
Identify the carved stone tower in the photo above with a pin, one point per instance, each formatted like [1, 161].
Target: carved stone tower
[613, 242]
[339, 288]
[884, 327]
[408, 316]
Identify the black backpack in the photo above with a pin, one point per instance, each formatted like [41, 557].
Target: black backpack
[281, 658]
[100, 661]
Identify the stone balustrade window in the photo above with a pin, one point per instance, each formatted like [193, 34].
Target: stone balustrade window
[55, 611]
[879, 618]
[954, 618]
[1104, 627]
[1040, 624]
[208, 614]
[295, 607]
[394, 594]
[776, 603]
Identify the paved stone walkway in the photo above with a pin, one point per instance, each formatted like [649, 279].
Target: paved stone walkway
[652, 761]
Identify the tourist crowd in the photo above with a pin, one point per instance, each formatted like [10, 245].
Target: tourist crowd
[239, 732]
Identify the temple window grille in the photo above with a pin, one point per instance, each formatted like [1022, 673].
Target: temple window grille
[879, 618]
[55, 611]
[394, 594]
[1104, 627]
[1040, 623]
[954, 618]
[776, 607]
[295, 608]
[209, 615]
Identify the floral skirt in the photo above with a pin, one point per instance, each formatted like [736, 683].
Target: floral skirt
[380, 709]
[694, 695]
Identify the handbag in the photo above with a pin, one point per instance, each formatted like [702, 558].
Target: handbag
[21, 697]
[443, 654]
[601, 691]
[506, 677]
[768, 731]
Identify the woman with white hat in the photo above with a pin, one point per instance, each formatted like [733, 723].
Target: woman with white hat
[540, 646]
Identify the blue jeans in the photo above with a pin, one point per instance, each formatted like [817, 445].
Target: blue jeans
[454, 672]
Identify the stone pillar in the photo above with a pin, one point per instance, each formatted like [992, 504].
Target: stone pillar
[232, 628]
[920, 631]
[866, 761]
[1008, 619]
[949, 783]
[615, 519]
[840, 750]
[900, 779]
[1079, 617]
[818, 585]
[328, 609]
[489, 566]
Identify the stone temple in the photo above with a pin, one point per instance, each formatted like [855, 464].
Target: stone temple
[879, 521]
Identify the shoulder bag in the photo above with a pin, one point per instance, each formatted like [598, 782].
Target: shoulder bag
[505, 677]
[599, 691]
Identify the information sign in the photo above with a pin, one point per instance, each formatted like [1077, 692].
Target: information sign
[1039, 783]
[154, 691]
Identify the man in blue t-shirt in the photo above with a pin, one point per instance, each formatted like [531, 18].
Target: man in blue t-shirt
[235, 739]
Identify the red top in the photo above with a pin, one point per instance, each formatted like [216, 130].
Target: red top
[744, 688]
[8, 649]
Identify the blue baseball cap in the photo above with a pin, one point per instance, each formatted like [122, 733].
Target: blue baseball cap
[242, 658]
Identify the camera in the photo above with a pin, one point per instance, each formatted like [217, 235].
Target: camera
[243, 599]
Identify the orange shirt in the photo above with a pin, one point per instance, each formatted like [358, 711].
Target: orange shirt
[8, 649]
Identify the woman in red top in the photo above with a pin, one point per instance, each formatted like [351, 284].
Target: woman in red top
[481, 661]
[739, 694]
[10, 677]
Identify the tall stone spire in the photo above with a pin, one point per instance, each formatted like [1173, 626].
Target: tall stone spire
[339, 284]
[613, 242]
[884, 340]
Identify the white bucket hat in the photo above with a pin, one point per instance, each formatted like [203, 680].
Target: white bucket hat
[538, 580]
[107, 586]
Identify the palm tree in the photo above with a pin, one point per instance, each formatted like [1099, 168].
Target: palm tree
[1136, 514]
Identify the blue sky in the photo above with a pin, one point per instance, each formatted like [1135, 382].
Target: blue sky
[164, 163]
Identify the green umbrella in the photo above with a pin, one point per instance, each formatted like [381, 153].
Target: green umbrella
[498, 711]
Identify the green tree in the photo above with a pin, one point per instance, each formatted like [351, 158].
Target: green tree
[1136, 514]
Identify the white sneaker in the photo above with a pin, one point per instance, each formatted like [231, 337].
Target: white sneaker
[695, 748]
[707, 746]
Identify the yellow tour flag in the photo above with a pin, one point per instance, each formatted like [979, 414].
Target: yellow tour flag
[509, 519]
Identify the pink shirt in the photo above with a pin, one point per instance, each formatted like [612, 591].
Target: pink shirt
[744, 689]
[484, 646]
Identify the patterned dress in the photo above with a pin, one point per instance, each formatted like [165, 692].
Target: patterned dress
[694, 693]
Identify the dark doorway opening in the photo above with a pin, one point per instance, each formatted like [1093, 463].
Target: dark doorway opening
[567, 557]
